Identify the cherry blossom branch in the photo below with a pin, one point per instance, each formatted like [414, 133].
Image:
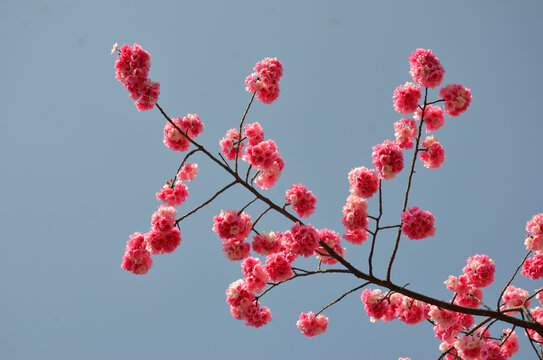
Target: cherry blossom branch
[342, 296]
[511, 280]
[406, 199]
[260, 216]
[374, 234]
[240, 126]
[184, 160]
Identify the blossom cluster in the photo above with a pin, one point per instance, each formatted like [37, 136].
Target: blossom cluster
[265, 80]
[190, 127]
[533, 267]
[132, 69]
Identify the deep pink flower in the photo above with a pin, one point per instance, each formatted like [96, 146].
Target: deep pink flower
[160, 241]
[255, 275]
[405, 132]
[411, 311]
[469, 346]
[188, 172]
[418, 224]
[229, 145]
[388, 159]
[406, 98]
[262, 155]
[472, 298]
[356, 237]
[305, 239]
[533, 267]
[136, 258]
[175, 196]
[457, 98]
[257, 316]
[333, 240]
[479, 270]
[239, 296]
[537, 314]
[254, 133]
[491, 350]
[236, 249]
[510, 346]
[513, 297]
[355, 216]
[310, 325]
[278, 267]
[434, 155]
[190, 125]
[265, 80]
[374, 305]
[458, 284]
[164, 218]
[302, 200]
[269, 177]
[425, 68]
[364, 182]
[231, 225]
[267, 243]
[433, 117]
[535, 226]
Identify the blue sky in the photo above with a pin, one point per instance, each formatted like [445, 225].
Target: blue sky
[80, 166]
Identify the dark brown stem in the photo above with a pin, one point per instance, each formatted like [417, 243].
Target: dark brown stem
[342, 296]
[511, 280]
[374, 234]
[240, 126]
[184, 160]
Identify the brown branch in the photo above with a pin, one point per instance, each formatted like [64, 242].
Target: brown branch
[342, 296]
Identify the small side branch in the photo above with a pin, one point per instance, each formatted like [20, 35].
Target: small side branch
[342, 296]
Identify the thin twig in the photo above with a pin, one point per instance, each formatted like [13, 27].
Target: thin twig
[511, 280]
[342, 296]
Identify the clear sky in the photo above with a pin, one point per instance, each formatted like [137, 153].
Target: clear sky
[80, 166]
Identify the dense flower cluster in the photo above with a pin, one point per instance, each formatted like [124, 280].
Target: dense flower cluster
[188, 172]
[418, 224]
[243, 306]
[405, 131]
[514, 297]
[256, 276]
[406, 98]
[132, 67]
[278, 267]
[267, 243]
[434, 155]
[425, 68]
[302, 200]
[173, 196]
[355, 216]
[229, 145]
[534, 241]
[163, 237]
[364, 182]
[433, 117]
[136, 258]
[265, 80]
[479, 270]
[356, 237]
[333, 240]
[388, 159]
[233, 228]
[311, 325]
[305, 240]
[533, 267]
[254, 133]
[190, 125]
[457, 98]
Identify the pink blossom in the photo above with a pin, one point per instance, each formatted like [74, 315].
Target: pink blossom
[356, 237]
[417, 224]
[160, 241]
[491, 350]
[269, 177]
[230, 224]
[312, 325]
[188, 172]
[472, 298]
[164, 218]
[509, 346]
[148, 95]
[229, 144]
[534, 243]
[405, 131]
[433, 117]
[434, 155]
[412, 311]
[533, 267]
[537, 314]
[539, 295]
[115, 48]
[305, 239]
[236, 249]
[175, 196]
[302, 200]
[289, 247]
[458, 284]
[364, 182]
[262, 155]
[333, 240]
[355, 216]
[457, 98]
[239, 296]
[265, 80]
[255, 275]
[257, 316]
[514, 297]
[136, 258]
[267, 243]
[374, 305]
[388, 159]
[254, 133]
[479, 270]
[406, 98]
[469, 346]
[535, 226]
[425, 68]
[278, 267]
[190, 125]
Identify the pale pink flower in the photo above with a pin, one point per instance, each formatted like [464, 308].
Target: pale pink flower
[406, 98]
[355, 216]
[388, 159]
[229, 145]
[262, 155]
[278, 267]
[115, 48]
[253, 83]
[405, 131]
[255, 275]
[356, 237]
[236, 249]
[267, 243]
[479, 270]
[175, 196]
[433, 117]
[265, 80]
[302, 200]
[418, 224]
[533, 267]
[306, 239]
[425, 68]
[364, 182]
[457, 98]
[333, 240]
[254, 133]
[230, 224]
[514, 297]
[434, 155]
[188, 172]
[311, 325]
[160, 241]
[136, 258]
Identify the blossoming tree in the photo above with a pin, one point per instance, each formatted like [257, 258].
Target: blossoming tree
[465, 324]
